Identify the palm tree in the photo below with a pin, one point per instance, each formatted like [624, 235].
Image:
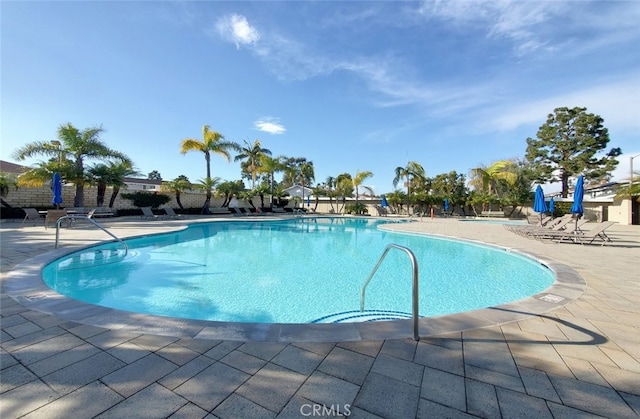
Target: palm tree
[261, 190]
[298, 171]
[228, 189]
[413, 172]
[270, 165]
[212, 142]
[177, 185]
[357, 182]
[208, 184]
[100, 174]
[330, 183]
[252, 154]
[77, 146]
[112, 174]
[487, 179]
[7, 181]
[37, 176]
[344, 188]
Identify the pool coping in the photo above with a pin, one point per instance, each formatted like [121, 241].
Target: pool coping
[25, 285]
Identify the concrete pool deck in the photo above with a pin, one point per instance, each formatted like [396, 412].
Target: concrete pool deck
[576, 359]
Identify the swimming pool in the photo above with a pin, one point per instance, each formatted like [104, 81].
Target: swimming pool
[292, 271]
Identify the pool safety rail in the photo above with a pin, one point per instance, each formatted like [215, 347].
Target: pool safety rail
[74, 217]
[414, 265]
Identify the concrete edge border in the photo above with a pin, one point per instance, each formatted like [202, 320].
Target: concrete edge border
[25, 285]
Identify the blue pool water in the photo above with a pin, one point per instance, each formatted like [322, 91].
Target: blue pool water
[292, 271]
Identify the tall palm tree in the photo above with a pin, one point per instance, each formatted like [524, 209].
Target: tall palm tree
[75, 145]
[212, 142]
[252, 154]
[299, 171]
[344, 188]
[357, 182]
[413, 172]
[177, 185]
[330, 183]
[270, 166]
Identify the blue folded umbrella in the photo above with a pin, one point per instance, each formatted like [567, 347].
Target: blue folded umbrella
[56, 189]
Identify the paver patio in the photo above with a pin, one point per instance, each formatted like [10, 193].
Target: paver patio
[581, 359]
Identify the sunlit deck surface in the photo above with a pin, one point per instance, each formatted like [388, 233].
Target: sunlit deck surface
[573, 350]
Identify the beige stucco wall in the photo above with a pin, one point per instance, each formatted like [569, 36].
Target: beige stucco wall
[41, 197]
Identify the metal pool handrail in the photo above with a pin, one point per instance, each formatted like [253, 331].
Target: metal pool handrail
[84, 217]
[414, 265]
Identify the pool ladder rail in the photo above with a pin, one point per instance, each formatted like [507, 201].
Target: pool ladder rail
[74, 217]
[414, 265]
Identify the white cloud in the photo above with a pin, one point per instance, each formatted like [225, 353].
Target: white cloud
[269, 125]
[235, 28]
[615, 102]
[516, 21]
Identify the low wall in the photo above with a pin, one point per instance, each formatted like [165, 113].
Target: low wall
[617, 211]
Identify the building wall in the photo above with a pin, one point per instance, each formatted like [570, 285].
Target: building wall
[620, 211]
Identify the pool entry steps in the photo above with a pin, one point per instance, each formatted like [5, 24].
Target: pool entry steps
[74, 217]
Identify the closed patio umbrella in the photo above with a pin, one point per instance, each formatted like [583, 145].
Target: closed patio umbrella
[552, 206]
[539, 204]
[445, 206]
[56, 190]
[384, 202]
[578, 195]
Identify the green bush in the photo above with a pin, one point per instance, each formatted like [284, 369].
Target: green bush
[146, 199]
[357, 209]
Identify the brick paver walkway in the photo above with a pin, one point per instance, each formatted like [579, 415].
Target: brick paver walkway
[579, 360]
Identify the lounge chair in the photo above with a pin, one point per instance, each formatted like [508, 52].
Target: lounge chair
[32, 215]
[74, 216]
[219, 210]
[382, 211]
[530, 231]
[259, 211]
[570, 228]
[147, 214]
[170, 213]
[279, 210]
[582, 236]
[237, 211]
[54, 215]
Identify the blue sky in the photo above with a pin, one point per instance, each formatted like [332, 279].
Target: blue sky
[350, 85]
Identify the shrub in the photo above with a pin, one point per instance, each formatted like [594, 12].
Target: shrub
[146, 199]
[357, 209]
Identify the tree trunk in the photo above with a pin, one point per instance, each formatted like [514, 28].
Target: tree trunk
[114, 194]
[102, 189]
[78, 200]
[205, 207]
